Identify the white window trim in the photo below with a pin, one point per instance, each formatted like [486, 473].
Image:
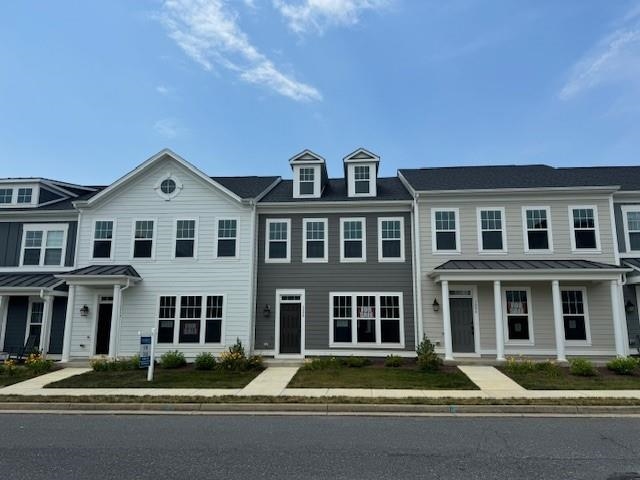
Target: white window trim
[302, 301]
[595, 224]
[93, 239]
[505, 317]
[268, 222]
[354, 320]
[325, 257]
[33, 300]
[45, 228]
[35, 195]
[351, 172]
[203, 319]
[217, 224]
[525, 230]
[196, 234]
[172, 195]
[381, 258]
[625, 223]
[503, 230]
[133, 239]
[434, 248]
[587, 321]
[363, 258]
[316, 181]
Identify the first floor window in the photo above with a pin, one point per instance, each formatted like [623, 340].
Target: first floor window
[167, 319]
[198, 318]
[213, 326]
[143, 241]
[190, 318]
[43, 245]
[34, 329]
[185, 238]
[277, 240]
[227, 236]
[102, 238]
[574, 315]
[391, 238]
[365, 319]
[517, 313]
[584, 228]
[445, 230]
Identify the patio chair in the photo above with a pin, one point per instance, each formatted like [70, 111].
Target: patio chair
[20, 352]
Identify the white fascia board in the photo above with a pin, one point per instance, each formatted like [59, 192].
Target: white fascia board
[543, 190]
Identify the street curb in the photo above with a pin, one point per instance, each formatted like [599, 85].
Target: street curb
[317, 408]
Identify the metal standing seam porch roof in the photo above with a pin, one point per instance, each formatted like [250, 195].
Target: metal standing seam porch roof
[29, 281]
[104, 271]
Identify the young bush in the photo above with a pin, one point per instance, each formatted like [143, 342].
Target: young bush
[623, 365]
[254, 362]
[172, 359]
[519, 365]
[8, 367]
[393, 361]
[205, 361]
[356, 362]
[104, 364]
[322, 363]
[548, 367]
[582, 367]
[37, 364]
[427, 359]
[234, 358]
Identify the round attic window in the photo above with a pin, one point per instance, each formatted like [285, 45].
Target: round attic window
[168, 186]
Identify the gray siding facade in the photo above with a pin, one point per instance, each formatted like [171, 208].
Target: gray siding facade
[16, 323]
[320, 279]
[11, 243]
[58, 317]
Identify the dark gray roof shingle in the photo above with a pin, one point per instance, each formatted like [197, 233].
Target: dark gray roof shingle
[106, 270]
[28, 280]
[523, 265]
[246, 187]
[631, 262]
[388, 188]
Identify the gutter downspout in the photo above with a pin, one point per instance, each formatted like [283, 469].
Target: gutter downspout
[253, 277]
[117, 327]
[418, 266]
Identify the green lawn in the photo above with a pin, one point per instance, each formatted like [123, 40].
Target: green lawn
[180, 378]
[382, 377]
[563, 380]
[21, 374]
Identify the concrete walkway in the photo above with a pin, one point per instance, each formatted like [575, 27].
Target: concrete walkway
[273, 382]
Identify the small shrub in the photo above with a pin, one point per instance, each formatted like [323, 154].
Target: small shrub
[205, 361]
[582, 367]
[172, 359]
[322, 363]
[254, 362]
[356, 362]
[9, 367]
[234, 358]
[519, 365]
[548, 367]
[623, 365]
[427, 359]
[135, 361]
[105, 364]
[393, 361]
[37, 364]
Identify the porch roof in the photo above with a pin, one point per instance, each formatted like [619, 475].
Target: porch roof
[572, 269]
[101, 275]
[23, 281]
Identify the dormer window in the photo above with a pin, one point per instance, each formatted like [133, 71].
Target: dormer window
[307, 180]
[6, 195]
[309, 175]
[19, 195]
[24, 195]
[361, 173]
[362, 177]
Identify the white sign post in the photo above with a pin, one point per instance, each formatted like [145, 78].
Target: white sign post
[153, 355]
[147, 352]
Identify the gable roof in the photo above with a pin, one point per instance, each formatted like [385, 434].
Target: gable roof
[246, 187]
[306, 156]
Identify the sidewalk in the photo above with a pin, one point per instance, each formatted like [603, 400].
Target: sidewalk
[273, 381]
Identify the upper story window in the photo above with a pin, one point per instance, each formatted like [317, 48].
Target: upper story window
[44, 245]
[391, 239]
[537, 225]
[445, 231]
[227, 238]
[102, 239]
[278, 242]
[143, 239]
[631, 222]
[314, 245]
[492, 234]
[25, 195]
[352, 240]
[6, 195]
[362, 179]
[584, 228]
[19, 195]
[185, 239]
[168, 186]
[307, 180]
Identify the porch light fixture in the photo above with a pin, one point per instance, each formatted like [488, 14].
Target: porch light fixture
[84, 311]
[629, 307]
[267, 310]
[436, 305]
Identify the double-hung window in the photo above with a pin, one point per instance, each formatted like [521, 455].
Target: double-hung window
[314, 244]
[227, 238]
[278, 241]
[365, 319]
[584, 228]
[352, 240]
[391, 239]
[34, 327]
[575, 315]
[307, 180]
[537, 226]
[143, 239]
[185, 239]
[167, 319]
[190, 319]
[362, 179]
[6, 195]
[445, 230]
[492, 233]
[213, 319]
[517, 310]
[25, 195]
[102, 239]
[44, 245]
[199, 319]
[631, 222]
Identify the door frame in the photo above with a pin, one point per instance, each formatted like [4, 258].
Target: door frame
[476, 317]
[279, 294]
[98, 300]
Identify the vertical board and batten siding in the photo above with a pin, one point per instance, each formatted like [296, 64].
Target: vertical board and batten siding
[16, 325]
[11, 242]
[164, 275]
[599, 302]
[617, 208]
[319, 279]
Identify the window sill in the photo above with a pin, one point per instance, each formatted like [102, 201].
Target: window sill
[277, 260]
[367, 345]
[391, 260]
[538, 252]
[492, 252]
[577, 343]
[519, 343]
[315, 260]
[586, 250]
[353, 260]
[446, 252]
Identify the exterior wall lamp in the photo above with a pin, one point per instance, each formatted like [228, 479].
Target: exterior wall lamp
[267, 311]
[629, 307]
[436, 305]
[84, 311]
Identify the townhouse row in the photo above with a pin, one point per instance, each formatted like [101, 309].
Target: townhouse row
[484, 261]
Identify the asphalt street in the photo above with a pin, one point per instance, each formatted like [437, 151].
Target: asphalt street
[62, 446]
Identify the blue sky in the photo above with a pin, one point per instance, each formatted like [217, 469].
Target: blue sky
[88, 90]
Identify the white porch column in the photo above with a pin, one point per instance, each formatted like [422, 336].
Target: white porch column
[497, 309]
[115, 321]
[558, 320]
[446, 319]
[45, 333]
[617, 318]
[68, 322]
[4, 304]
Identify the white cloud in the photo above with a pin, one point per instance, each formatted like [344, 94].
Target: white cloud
[208, 32]
[614, 59]
[317, 15]
[162, 90]
[167, 127]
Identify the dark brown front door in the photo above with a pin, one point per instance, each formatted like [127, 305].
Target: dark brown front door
[104, 328]
[290, 327]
